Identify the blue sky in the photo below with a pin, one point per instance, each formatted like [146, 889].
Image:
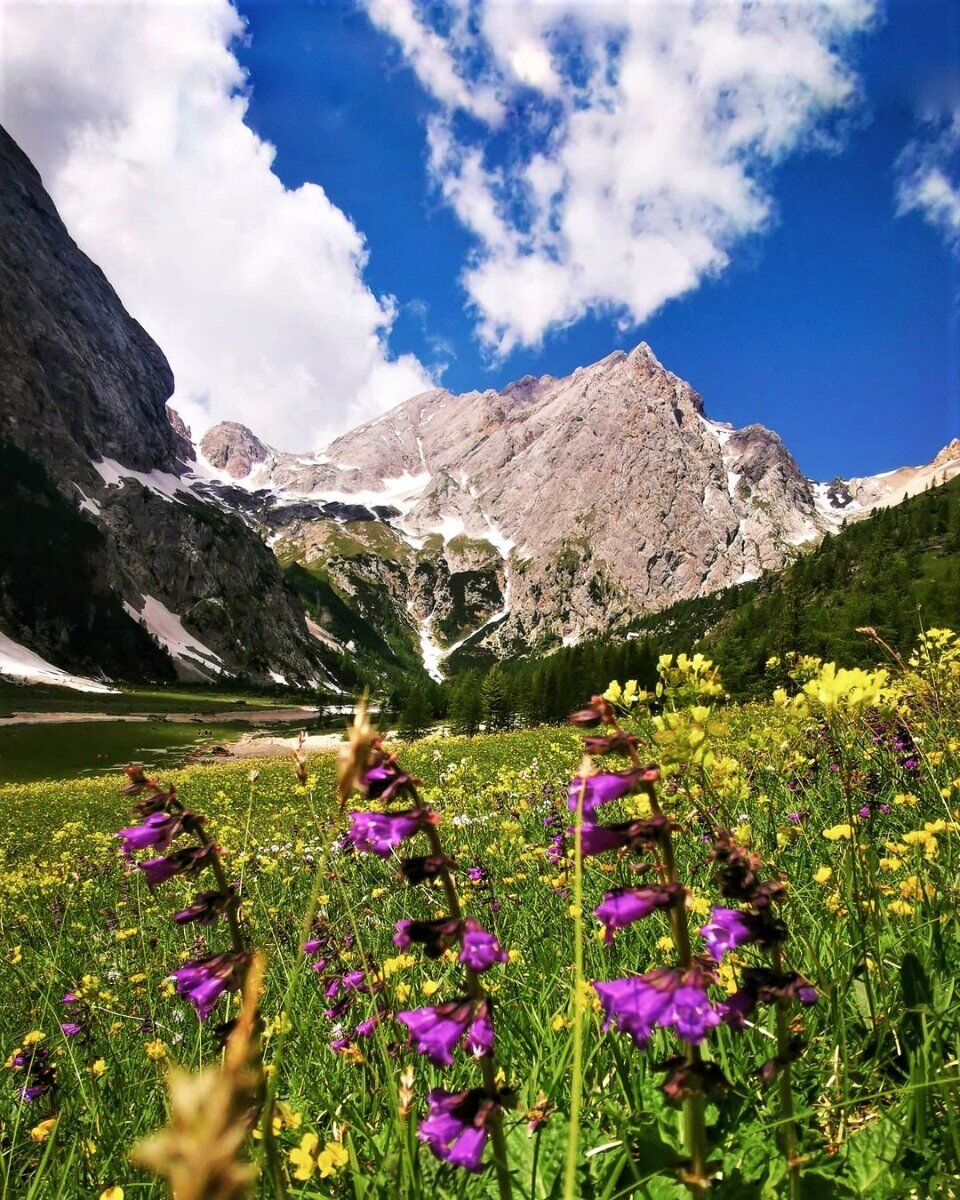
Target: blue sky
[314, 207]
[836, 325]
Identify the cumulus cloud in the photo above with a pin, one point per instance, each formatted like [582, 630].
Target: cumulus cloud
[134, 114]
[928, 176]
[608, 156]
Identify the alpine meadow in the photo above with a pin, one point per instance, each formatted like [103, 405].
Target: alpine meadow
[444, 753]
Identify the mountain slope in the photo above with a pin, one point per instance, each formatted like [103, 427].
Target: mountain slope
[83, 392]
[552, 511]
[896, 572]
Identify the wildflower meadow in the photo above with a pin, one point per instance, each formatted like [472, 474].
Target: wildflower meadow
[675, 947]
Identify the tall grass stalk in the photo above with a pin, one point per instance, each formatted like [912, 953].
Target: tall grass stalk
[576, 1067]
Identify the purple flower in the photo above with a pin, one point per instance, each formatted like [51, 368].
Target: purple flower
[312, 946]
[634, 1005]
[70, 1028]
[418, 870]
[204, 981]
[693, 1014]
[727, 929]
[480, 948]
[437, 1029]
[436, 936]
[456, 1127]
[159, 829]
[618, 742]
[205, 907]
[737, 1008]
[68, 998]
[666, 997]
[630, 835]
[159, 870]
[385, 781]
[601, 789]
[380, 833]
[353, 981]
[622, 906]
[476, 874]
[41, 1074]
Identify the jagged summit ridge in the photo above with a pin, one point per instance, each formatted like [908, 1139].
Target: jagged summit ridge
[604, 493]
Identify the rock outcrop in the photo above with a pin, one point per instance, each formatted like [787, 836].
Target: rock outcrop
[83, 394]
[584, 501]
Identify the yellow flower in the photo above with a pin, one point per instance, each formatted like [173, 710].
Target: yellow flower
[837, 833]
[112, 1193]
[34, 1036]
[823, 875]
[97, 1068]
[559, 1022]
[429, 987]
[15, 955]
[40, 1133]
[331, 1158]
[156, 1050]
[890, 864]
[304, 1156]
[900, 908]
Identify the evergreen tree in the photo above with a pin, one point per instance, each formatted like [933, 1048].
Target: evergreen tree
[498, 708]
[466, 703]
[415, 713]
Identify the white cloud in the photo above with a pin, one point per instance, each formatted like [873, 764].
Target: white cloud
[134, 115]
[928, 176]
[626, 152]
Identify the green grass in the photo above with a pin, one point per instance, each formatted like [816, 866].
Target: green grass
[175, 699]
[876, 1085]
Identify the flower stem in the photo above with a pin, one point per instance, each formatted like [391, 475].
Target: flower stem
[476, 991]
[788, 1127]
[693, 1116]
[576, 1069]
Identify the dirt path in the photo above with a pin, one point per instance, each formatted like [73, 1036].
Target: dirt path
[260, 745]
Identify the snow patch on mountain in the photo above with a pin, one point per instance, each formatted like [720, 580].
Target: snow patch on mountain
[18, 662]
[163, 483]
[168, 629]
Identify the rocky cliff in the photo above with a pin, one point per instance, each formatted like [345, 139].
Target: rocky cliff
[83, 397]
[553, 510]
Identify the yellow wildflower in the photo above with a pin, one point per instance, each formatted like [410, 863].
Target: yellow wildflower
[40, 1133]
[823, 875]
[331, 1158]
[304, 1156]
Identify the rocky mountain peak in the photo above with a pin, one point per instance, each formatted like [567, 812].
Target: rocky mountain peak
[82, 380]
[233, 448]
[949, 454]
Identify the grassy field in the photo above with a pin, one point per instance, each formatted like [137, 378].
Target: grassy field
[848, 789]
[181, 698]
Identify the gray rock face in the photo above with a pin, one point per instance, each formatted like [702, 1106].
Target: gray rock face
[81, 377]
[82, 384]
[597, 497]
[232, 448]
